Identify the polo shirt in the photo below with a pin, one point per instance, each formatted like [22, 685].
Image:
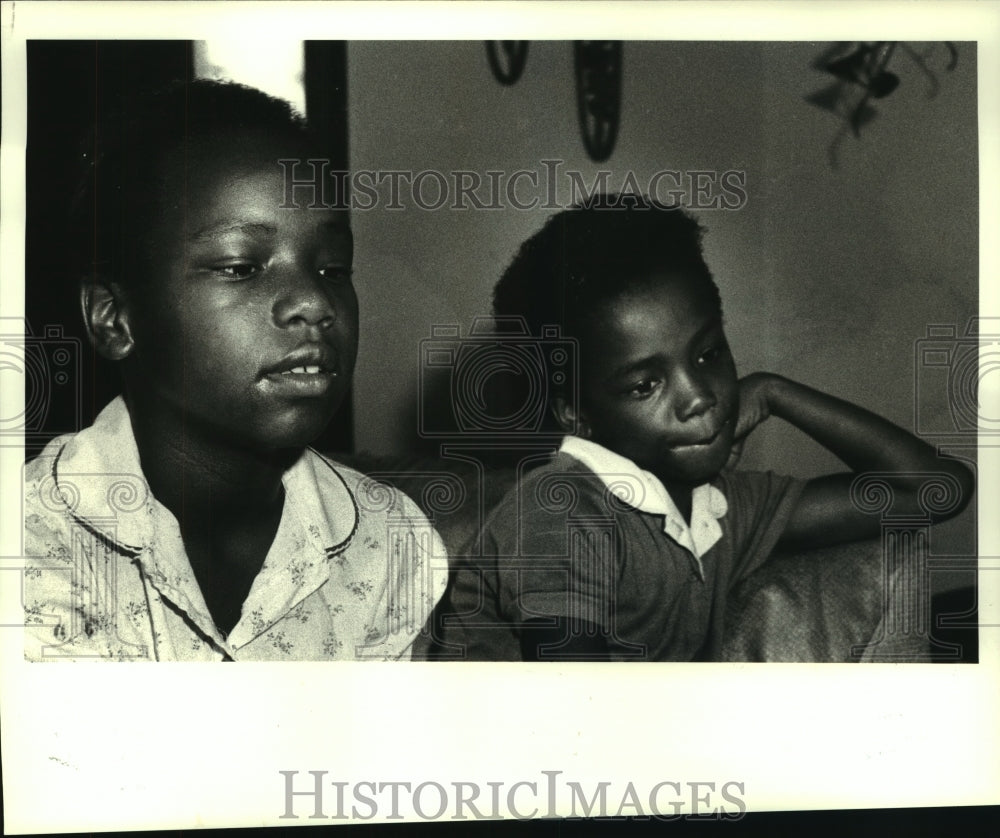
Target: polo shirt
[609, 548]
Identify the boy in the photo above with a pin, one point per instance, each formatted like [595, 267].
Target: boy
[191, 521]
[626, 545]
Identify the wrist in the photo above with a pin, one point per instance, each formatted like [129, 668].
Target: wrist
[776, 390]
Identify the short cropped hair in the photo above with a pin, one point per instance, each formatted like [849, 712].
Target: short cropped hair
[125, 153]
[585, 256]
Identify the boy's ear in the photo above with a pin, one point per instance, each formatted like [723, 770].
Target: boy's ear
[106, 319]
[570, 416]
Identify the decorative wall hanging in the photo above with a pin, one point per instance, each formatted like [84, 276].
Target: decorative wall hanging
[507, 60]
[598, 69]
[862, 76]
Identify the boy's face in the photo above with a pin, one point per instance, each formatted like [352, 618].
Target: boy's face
[659, 385]
[244, 320]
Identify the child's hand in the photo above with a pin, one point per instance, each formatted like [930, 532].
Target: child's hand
[754, 409]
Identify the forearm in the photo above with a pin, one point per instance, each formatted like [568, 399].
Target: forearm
[864, 441]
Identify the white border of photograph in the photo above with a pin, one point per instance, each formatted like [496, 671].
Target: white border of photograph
[94, 748]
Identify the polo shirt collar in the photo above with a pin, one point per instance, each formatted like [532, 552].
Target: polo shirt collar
[644, 491]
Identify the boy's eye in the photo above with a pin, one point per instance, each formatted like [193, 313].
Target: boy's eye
[644, 388]
[337, 273]
[712, 353]
[240, 270]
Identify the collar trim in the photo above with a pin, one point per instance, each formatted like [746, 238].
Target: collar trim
[97, 477]
[645, 492]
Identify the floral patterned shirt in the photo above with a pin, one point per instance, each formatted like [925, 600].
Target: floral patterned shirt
[353, 572]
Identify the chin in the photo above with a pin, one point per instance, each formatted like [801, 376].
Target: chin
[300, 436]
[295, 431]
[694, 472]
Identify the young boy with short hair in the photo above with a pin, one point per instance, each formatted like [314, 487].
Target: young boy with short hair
[191, 521]
[626, 545]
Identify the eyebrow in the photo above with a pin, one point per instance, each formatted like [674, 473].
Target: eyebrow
[643, 363]
[255, 229]
[223, 227]
[336, 226]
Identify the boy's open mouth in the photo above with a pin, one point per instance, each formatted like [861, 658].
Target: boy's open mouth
[301, 382]
[308, 371]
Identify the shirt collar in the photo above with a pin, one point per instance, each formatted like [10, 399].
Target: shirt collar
[98, 476]
[644, 491]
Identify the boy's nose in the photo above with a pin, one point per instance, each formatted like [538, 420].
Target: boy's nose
[303, 300]
[692, 397]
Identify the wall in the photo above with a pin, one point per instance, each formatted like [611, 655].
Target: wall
[829, 274]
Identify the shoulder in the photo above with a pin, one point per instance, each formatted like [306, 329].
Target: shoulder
[38, 469]
[756, 487]
[561, 485]
[380, 511]
[757, 500]
[370, 495]
[393, 548]
[45, 519]
[549, 503]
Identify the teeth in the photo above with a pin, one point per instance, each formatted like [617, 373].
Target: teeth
[310, 370]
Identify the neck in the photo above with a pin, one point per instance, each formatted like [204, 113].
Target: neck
[199, 476]
[680, 493]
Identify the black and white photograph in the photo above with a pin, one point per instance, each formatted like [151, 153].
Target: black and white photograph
[615, 393]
